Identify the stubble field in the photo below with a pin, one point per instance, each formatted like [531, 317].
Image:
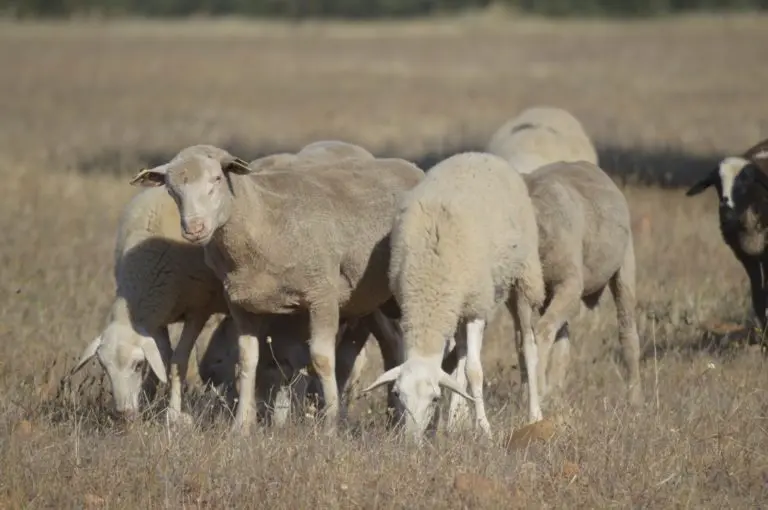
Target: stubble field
[85, 105]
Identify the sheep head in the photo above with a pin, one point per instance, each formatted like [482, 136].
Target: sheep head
[735, 179]
[196, 179]
[417, 385]
[124, 355]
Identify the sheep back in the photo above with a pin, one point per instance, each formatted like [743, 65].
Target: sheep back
[318, 220]
[579, 210]
[541, 135]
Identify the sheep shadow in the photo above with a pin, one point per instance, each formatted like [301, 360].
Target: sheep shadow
[665, 167]
[724, 340]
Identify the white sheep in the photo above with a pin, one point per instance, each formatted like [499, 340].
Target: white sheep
[323, 150]
[540, 135]
[161, 279]
[464, 240]
[585, 244]
[313, 238]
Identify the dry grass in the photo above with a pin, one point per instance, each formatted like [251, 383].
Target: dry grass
[84, 105]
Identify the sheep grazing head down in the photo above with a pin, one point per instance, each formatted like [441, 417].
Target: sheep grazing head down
[197, 180]
[417, 385]
[736, 179]
[125, 356]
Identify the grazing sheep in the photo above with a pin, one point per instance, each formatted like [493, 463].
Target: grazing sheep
[540, 135]
[743, 215]
[464, 240]
[313, 238]
[585, 244]
[161, 279]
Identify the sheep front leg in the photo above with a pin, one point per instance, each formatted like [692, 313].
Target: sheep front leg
[474, 372]
[756, 286]
[250, 327]
[523, 313]
[323, 325]
[458, 410]
[193, 326]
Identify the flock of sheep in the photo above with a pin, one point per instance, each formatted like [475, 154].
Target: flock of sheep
[293, 260]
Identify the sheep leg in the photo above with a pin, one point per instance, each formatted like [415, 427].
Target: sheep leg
[163, 341]
[565, 303]
[193, 326]
[324, 324]
[458, 410]
[350, 345]
[474, 372]
[522, 313]
[250, 328]
[754, 271]
[623, 289]
[389, 337]
[559, 358]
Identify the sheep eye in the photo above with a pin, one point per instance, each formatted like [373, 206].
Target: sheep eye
[138, 366]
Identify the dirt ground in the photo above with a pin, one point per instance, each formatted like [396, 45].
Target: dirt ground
[85, 105]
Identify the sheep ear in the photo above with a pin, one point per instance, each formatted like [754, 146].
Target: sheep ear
[155, 360]
[150, 177]
[236, 165]
[88, 353]
[703, 184]
[387, 377]
[448, 382]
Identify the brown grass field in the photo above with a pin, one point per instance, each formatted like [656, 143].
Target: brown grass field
[84, 105]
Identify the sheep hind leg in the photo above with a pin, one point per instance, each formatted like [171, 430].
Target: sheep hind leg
[565, 303]
[474, 372]
[324, 325]
[522, 313]
[193, 326]
[348, 359]
[458, 410]
[623, 289]
[559, 359]
[250, 328]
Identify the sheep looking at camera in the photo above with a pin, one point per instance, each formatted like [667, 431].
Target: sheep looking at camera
[312, 238]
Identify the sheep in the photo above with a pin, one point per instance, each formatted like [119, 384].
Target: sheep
[464, 240]
[743, 214]
[160, 279]
[585, 244]
[323, 150]
[313, 238]
[541, 135]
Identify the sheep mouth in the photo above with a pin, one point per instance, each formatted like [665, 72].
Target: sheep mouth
[197, 237]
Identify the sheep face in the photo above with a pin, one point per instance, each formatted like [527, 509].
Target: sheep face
[197, 182]
[736, 181]
[417, 385]
[125, 356]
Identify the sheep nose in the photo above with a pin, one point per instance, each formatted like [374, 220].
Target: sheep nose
[194, 226]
